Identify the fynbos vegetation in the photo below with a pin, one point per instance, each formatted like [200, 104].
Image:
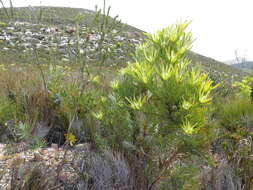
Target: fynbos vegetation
[96, 105]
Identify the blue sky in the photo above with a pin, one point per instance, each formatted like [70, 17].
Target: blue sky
[219, 26]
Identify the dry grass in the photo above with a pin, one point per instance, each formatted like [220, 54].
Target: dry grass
[105, 171]
[23, 87]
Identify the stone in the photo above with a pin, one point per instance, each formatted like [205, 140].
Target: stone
[42, 129]
[65, 60]
[10, 28]
[28, 33]
[24, 36]
[55, 146]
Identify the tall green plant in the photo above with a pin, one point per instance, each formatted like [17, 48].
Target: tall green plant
[160, 105]
[105, 25]
[245, 87]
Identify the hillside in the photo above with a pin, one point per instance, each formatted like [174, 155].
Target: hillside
[246, 66]
[241, 64]
[82, 108]
[48, 29]
[218, 69]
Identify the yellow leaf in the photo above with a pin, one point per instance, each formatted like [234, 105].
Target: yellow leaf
[71, 138]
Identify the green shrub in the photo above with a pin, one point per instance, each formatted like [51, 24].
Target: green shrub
[159, 108]
[25, 133]
[236, 113]
[235, 117]
[245, 87]
[3, 24]
[7, 110]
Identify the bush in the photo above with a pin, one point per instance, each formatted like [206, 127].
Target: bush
[7, 110]
[159, 108]
[3, 24]
[235, 120]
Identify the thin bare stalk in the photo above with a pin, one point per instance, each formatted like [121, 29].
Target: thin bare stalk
[5, 9]
[84, 68]
[41, 72]
[167, 165]
[11, 10]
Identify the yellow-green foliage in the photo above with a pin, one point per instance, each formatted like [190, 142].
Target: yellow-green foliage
[71, 138]
[160, 104]
[245, 86]
[3, 24]
[161, 79]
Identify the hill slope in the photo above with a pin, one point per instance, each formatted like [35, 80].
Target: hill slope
[46, 28]
[242, 64]
[246, 66]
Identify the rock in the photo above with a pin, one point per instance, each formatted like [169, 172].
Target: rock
[10, 28]
[65, 60]
[114, 31]
[42, 129]
[39, 37]
[28, 33]
[23, 36]
[76, 167]
[12, 44]
[27, 45]
[55, 146]
[63, 45]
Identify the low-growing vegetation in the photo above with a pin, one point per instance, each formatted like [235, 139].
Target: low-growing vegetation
[154, 122]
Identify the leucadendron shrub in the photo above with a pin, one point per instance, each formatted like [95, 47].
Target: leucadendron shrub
[158, 108]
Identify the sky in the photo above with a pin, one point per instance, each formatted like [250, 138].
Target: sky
[220, 27]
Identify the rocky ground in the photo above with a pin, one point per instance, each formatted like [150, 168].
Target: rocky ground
[19, 39]
[25, 37]
[77, 168]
